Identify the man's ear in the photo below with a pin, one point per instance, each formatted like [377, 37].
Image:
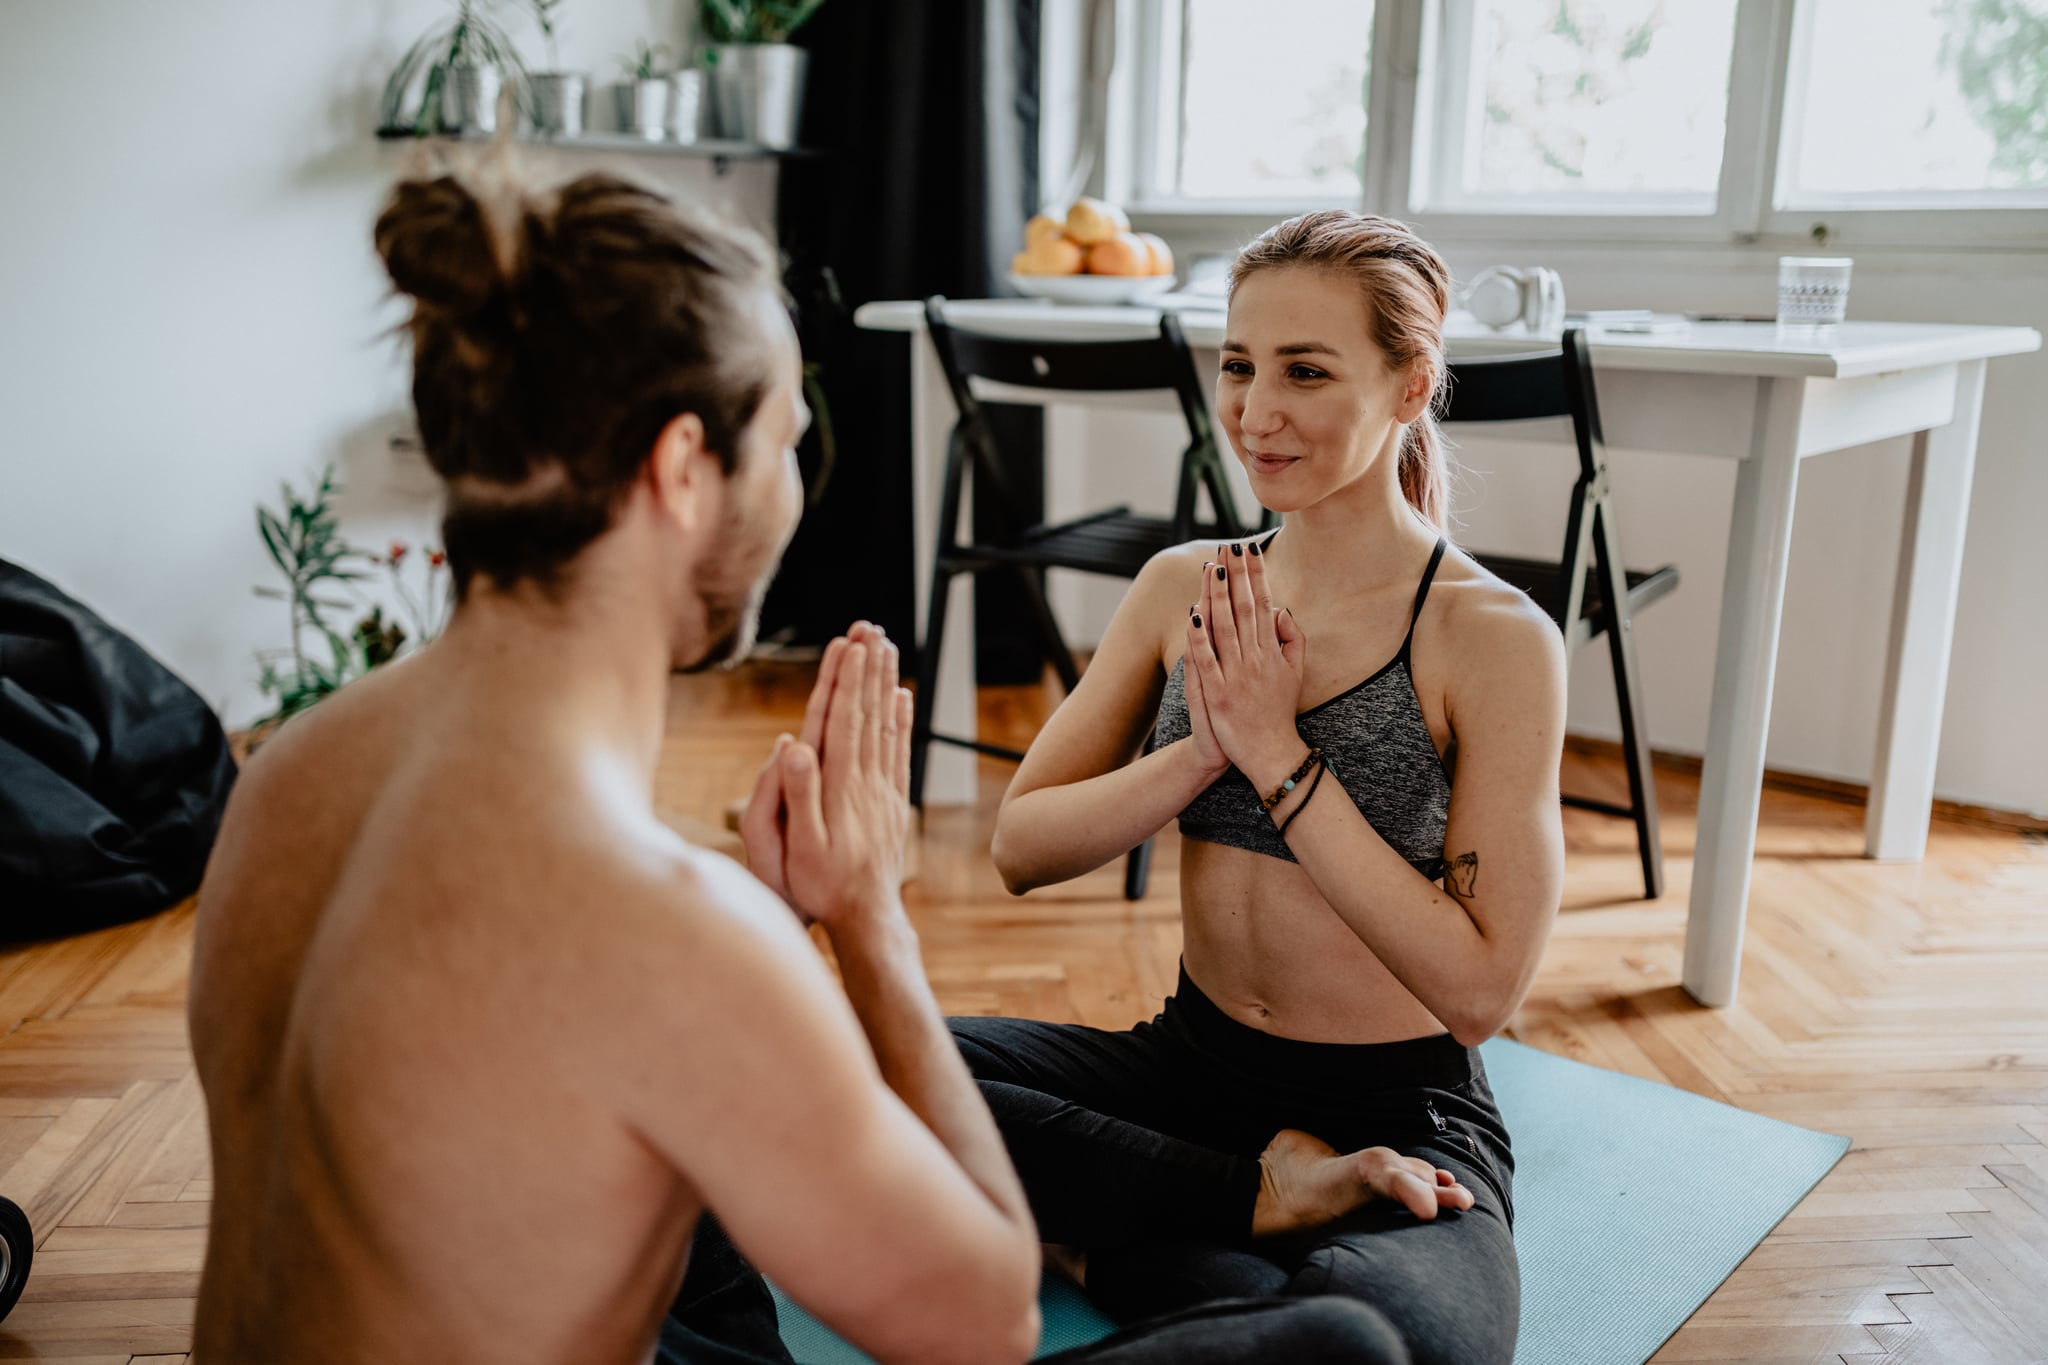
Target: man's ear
[686, 476]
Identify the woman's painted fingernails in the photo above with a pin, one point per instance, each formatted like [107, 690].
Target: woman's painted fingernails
[1198, 620]
[1237, 550]
[1258, 549]
[1221, 573]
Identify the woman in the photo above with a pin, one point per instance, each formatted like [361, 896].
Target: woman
[1309, 1115]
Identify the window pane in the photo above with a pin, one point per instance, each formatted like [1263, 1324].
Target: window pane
[1594, 97]
[1273, 100]
[1905, 95]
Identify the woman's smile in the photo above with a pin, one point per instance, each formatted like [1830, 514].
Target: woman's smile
[1263, 463]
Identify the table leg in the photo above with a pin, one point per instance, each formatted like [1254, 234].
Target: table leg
[1923, 628]
[949, 771]
[1745, 658]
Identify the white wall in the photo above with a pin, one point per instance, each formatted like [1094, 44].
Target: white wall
[1672, 509]
[190, 308]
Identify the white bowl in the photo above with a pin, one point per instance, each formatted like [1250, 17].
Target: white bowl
[1095, 289]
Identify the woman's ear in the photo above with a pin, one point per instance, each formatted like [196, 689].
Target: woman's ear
[1420, 386]
[683, 473]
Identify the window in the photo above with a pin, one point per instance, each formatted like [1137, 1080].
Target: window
[1256, 104]
[1917, 103]
[1578, 106]
[1844, 122]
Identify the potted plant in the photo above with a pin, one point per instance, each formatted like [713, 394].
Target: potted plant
[459, 66]
[757, 78]
[643, 97]
[557, 94]
[321, 570]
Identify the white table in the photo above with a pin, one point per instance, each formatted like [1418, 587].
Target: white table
[1732, 390]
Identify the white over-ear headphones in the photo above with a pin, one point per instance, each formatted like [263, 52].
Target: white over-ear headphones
[1502, 295]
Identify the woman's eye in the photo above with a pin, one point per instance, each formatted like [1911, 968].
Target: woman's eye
[1306, 372]
[1237, 367]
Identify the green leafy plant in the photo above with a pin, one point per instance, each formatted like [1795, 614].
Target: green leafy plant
[755, 21]
[647, 61]
[472, 37]
[544, 11]
[321, 570]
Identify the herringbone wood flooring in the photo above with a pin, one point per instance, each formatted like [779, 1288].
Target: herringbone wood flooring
[1904, 1005]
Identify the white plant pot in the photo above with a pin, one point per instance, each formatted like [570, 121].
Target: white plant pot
[558, 103]
[469, 99]
[643, 108]
[686, 106]
[757, 91]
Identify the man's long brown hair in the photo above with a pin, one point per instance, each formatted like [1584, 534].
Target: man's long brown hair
[554, 335]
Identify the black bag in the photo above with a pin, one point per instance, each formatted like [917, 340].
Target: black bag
[113, 773]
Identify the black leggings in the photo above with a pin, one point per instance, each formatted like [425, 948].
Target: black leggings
[1141, 1147]
[726, 1316]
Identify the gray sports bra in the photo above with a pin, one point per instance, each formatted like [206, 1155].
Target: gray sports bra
[1379, 749]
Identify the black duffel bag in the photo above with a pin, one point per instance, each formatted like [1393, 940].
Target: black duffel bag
[113, 773]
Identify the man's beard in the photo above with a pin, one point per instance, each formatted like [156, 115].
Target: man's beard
[731, 624]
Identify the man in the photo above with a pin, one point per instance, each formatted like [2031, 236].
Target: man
[481, 1039]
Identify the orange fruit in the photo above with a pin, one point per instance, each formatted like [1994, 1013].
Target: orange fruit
[1161, 253]
[1052, 256]
[1091, 220]
[1122, 254]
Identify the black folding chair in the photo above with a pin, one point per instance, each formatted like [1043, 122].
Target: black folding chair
[1586, 590]
[1115, 541]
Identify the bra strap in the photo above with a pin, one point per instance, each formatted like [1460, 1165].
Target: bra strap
[1422, 592]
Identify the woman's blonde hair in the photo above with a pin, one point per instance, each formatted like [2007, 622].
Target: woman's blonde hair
[1407, 291]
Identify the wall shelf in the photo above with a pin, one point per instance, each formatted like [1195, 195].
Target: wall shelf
[719, 152]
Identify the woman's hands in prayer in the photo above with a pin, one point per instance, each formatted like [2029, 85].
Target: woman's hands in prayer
[1243, 669]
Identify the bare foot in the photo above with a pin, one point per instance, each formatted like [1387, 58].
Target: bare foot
[1305, 1182]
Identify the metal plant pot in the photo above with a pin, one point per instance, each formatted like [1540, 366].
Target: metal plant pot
[757, 90]
[643, 107]
[686, 106]
[557, 102]
[469, 99]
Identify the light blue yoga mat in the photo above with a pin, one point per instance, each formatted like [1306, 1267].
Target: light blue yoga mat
[1633, 1201]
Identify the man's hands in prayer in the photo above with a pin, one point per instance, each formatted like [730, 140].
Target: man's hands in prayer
[826, 825]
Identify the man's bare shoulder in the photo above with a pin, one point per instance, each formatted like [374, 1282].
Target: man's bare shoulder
[325, 757]
[658, 921]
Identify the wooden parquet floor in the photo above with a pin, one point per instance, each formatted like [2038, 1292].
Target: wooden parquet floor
[1905, 1005]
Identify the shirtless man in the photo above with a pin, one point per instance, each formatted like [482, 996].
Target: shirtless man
[480, 1038]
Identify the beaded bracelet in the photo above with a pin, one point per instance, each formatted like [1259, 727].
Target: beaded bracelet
[1280, 792]
[1303, 805]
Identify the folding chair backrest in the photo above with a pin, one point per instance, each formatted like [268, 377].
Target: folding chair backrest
[1162, 363]
[1556, 383]
[1512, 388]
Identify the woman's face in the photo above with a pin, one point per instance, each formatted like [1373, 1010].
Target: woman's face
[1305, 394]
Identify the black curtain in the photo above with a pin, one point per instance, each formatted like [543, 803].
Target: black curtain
[924, 118]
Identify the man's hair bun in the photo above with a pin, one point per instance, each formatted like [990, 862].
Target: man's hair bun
[436, 246]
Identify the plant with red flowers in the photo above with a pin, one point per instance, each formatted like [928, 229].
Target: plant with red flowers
[321, 571]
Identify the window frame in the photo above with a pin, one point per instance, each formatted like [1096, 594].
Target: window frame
[1765, 69]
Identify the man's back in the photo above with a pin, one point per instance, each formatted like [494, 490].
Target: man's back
[405, 941]
[479, 1037]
